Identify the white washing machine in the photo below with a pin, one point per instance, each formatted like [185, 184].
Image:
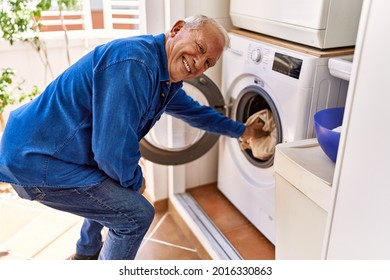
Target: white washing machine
[292, 81]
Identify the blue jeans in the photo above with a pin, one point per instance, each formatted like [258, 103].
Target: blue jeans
[125, 212]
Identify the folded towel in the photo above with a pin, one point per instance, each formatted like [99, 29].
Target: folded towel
[263, 147]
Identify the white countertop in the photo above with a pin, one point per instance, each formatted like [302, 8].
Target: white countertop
[304, 164]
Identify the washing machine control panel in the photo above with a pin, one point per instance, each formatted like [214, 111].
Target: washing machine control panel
[256, 55]
[269, 60]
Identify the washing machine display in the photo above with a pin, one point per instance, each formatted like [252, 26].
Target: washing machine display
[293, 85]
[287, 65]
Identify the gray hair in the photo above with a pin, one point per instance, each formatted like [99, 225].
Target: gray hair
[197, 21]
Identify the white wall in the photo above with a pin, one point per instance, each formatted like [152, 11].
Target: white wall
[217, 9]
[155, 16]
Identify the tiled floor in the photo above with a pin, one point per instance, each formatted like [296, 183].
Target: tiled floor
[29, 230]
[166, 241]
[247, 240]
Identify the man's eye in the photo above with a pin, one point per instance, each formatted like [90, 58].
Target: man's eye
[201, 49]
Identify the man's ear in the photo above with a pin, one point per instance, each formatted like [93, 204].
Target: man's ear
[177, 27]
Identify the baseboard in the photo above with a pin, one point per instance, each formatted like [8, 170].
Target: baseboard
[159, 205]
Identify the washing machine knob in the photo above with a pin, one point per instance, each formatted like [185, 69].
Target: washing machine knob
[256, 55]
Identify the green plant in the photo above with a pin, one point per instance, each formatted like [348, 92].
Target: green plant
[19, 21]
[11, 91]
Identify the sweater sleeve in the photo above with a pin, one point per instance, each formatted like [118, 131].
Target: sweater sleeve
[204, 117]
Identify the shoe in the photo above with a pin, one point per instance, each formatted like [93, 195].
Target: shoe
[86, 258]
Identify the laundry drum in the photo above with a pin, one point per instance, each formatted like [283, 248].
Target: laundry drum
[253, 99]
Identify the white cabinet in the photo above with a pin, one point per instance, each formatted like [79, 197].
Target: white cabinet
[359, 225]
[303, 189]
[358, 209]
[322, 23]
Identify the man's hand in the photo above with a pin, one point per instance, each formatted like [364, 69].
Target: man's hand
[254, 130]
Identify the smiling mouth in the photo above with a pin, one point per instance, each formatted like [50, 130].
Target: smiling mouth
[186, 65]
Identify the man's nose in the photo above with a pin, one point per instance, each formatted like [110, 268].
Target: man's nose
[199, 62]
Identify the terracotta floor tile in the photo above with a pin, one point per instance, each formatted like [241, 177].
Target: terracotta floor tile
[152, 250]
[157, 218]
[247, 240]
[168, 232]
[221, 211]
[251, 244]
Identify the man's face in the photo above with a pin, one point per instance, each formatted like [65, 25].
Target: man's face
[190, 53]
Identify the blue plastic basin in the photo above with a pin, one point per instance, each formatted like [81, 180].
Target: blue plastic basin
[324, 122]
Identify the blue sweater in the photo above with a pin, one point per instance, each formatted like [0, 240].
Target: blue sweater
[87, 124]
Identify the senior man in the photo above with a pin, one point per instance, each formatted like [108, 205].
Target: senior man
[75, 148]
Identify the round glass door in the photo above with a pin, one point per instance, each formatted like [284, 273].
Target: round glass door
[253, 99]
[172, 141]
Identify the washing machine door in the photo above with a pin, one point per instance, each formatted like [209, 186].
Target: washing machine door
[250, 100]
[173, 142]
